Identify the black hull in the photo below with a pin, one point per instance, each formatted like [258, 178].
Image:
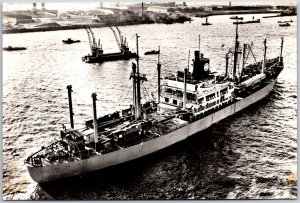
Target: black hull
[70, 42]
[152, 53]
[247, 22]
[108, 57]
[14, 48]
[236, 18]
[284, 25]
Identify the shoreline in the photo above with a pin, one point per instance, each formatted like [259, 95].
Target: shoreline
[228, 12]
[99, 25]
[66, 27]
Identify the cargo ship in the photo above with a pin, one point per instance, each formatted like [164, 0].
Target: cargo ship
[187, 102]
[97, 54]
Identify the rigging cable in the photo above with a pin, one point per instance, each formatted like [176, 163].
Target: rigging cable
[125, 96]
[147, 92]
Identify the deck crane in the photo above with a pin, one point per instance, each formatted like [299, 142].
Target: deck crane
[120, 40]
[123, 47]
[96, 49]
[97, 52]
[116, 37]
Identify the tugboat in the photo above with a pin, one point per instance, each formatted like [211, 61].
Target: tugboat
[10, 48]
[97, 55]
[70, 41]
[187, 102]
[236, 18]
[152, 52]
[206, 22]
[284, 24]
[285, 21]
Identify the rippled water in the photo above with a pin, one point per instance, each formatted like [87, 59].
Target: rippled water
[247, 156]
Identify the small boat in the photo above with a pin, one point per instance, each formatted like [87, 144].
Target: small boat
[236, 18]
[70, 41]
[152, 52]
[284, 24]
[285, 21]
[206, 23]
[10, 48]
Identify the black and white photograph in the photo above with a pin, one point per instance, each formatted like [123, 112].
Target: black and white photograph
[149, 100]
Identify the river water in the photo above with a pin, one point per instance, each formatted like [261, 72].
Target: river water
[251, 155]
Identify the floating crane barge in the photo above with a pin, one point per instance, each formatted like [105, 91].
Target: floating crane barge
[97, 54]
[187, 103]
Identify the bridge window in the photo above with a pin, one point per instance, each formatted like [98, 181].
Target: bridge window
[175, 101]
[223, 91]
[210, 97]
[166, 99]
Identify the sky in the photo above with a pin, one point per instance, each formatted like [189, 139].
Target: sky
[92, 5]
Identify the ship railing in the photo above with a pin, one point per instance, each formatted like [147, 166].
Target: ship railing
[179, 96]
[35, 159]
[69, 156]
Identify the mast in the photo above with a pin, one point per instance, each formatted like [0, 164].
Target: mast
[94, 96]
[199, 46]
[189, 61]
[158, 77]
[227, 58]
[184, 93]
[69, 87]
[244, 60]
[235, 52]
[281, 47]
[184, 81]
[138, 112]
[244, 55]
[264, 60]
[134, 85]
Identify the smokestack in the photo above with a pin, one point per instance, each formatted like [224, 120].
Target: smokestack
[196, 71]
[201, 67]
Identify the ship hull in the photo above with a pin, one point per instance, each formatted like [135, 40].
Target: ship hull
[49, 173]
[109, 57]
